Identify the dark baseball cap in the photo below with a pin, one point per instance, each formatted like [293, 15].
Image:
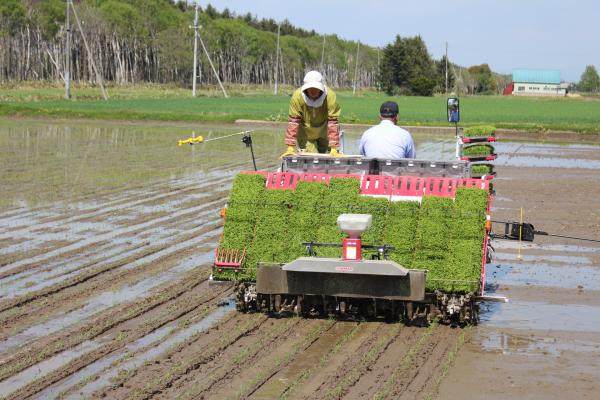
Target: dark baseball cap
[389, 109]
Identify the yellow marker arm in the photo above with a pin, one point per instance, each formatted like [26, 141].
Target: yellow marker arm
[192, 140]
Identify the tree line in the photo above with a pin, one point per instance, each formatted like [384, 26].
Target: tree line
[133, 41]
[151, 41]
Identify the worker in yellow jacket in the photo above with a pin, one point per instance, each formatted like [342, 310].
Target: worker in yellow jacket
[313, 118]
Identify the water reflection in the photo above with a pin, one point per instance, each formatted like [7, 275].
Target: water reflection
[44, 162]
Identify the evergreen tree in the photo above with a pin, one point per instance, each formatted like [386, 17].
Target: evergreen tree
[407, 68]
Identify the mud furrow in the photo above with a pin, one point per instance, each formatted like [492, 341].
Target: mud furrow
[311, 378]
[101, 277]
[116, 198]
[87, 308]
[232, 361]
[429, 367]
[65, 267]
[265, 367]
[337, 384]
[190, 213]
[116, 343]
[305, 363]
[30, 280]
[430, 348]
[187, 357]
[67, 338]
[155, 233]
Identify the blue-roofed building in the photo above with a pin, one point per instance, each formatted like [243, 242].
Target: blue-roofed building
[536, 82]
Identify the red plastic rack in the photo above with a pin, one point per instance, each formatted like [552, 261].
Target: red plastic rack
[229, 258]
[381, 185]
[482, 139]
[490, 157]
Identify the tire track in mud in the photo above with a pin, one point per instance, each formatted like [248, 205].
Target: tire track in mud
[266, 364]
[19, 307]
[312, 376]
[103, 217]
[72, 275]
[337, 383]
[415, 354]
[81, 213]
[115, 343]
[430, 372]
[240, 365]
[111, 196]
[22, 261]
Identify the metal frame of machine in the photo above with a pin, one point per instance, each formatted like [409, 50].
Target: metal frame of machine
[348, 288]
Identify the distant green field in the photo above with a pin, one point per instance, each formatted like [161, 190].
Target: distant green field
[175, 104]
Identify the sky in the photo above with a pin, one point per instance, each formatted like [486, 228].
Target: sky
[506, 34]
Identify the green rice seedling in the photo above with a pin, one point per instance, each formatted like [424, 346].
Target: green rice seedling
[238, 232]
[480, 130]
[463, 264]
[469, 213]
[432, 236]
[378, 209]
[270, 239]
[245, 197]
[342, 196]
[305, 214]
[400, 230]
[329, 234]
[463, 268]
[478, 150]
[433, 227]
[482, 169]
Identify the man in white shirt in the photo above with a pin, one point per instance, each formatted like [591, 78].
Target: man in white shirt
[387, 140]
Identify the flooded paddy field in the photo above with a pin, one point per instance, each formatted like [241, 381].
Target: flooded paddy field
[107, 234]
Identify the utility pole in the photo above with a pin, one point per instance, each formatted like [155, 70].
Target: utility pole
[446, 67]
[68, 54]
[89, 52]
[356, 68]
[211, 64]
[323, 54]
[195, 52]
[277, 59]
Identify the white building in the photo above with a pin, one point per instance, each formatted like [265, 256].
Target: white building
[536, 82]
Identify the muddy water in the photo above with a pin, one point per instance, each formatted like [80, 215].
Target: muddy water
[545, 341]
[81, 196]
